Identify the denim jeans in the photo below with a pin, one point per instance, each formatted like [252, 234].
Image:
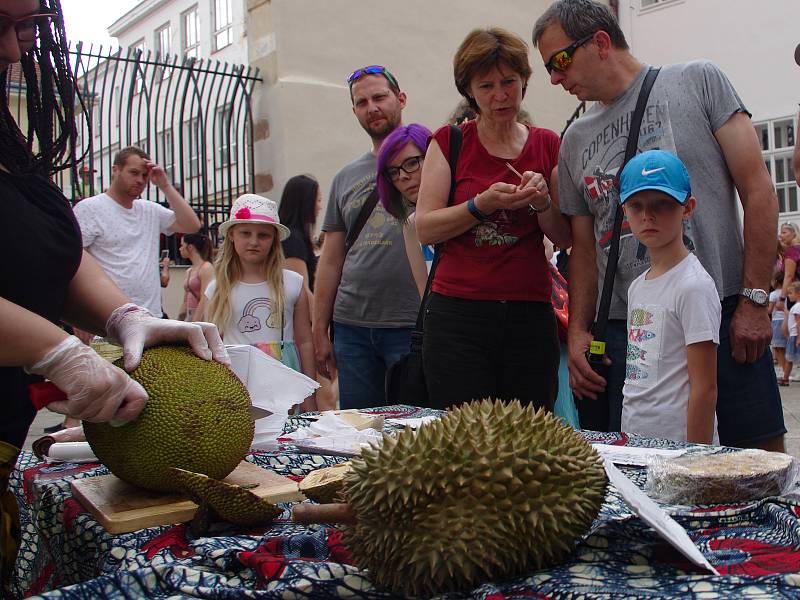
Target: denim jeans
[748, 402]
[362, 356]
[476, 349]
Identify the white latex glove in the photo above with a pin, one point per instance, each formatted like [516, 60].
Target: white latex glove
[96, 390]
[135, 329]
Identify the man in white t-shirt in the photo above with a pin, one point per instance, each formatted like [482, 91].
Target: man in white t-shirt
[121, 230]
[674, 312]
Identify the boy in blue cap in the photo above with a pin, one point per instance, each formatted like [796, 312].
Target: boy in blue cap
[673, 310]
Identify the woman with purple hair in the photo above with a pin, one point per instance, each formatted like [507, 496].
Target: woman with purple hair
[399, 173]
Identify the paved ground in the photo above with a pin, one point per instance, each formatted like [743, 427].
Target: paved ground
[791, 415]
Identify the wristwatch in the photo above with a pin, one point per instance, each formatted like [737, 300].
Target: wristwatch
[755, 295]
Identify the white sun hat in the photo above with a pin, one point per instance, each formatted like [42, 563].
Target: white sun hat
[252, 208]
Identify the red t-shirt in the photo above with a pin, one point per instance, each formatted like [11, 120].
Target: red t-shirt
[503, 257]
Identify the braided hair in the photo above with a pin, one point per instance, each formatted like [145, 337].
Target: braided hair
[51, 98]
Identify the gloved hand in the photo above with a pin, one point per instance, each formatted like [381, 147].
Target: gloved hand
[96, 390]
[135, 329]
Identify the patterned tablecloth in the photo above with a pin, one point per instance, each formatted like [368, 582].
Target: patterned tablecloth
[754, 546]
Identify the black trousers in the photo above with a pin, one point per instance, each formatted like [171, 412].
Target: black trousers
[476, 349]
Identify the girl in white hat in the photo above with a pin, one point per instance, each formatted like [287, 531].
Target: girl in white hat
[253, 299]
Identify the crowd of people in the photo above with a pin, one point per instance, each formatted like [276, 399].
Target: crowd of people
[687, 343]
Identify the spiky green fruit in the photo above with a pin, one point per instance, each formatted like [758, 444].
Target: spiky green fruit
[232, 503]
[197, 419]
[489, 491]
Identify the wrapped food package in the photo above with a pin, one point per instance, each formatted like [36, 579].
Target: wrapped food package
[720, 477]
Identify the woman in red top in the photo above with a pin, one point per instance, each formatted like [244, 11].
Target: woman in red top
[490, 330]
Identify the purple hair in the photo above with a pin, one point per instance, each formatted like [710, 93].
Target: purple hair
[397, 140]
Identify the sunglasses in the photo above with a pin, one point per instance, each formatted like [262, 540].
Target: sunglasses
[409, 165]
[372, 70]
[563, 58]
[24, 26]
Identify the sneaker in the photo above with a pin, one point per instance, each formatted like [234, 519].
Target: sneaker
[794, 378]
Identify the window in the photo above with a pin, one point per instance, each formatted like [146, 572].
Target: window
[138, 51]
[163, 48]
[164, 154]
[164, 40]
[223, 24]
[96, 118]
[777, 143]
[226, 137]
[190, 27]
[652, 3]
[192, 135]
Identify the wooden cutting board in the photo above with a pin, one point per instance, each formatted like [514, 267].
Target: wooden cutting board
[121, 507]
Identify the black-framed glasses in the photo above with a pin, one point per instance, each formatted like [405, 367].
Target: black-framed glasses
[372, 70]
[562, 59]
[409, 165]
[24, 26]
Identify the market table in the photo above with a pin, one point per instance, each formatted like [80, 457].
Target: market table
[755, 547]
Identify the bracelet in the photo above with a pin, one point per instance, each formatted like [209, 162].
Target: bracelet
[533, 210]
[475, 211]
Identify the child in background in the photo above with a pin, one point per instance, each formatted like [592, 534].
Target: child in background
[253, 299]
[792, 354]
[674, 310]
[778, 343]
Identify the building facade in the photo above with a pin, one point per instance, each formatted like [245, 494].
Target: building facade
[754, 44]
[305, 49]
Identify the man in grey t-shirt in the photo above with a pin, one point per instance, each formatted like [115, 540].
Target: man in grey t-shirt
[694, 112]
[367, 295]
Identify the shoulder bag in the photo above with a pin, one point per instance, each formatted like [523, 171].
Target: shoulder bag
[593, 414]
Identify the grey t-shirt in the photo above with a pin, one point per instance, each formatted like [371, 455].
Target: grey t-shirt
[377, 288]
[687, 105]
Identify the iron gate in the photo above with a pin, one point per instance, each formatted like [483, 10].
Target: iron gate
[194, 118]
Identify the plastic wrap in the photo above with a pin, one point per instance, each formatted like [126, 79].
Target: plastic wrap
[720, 477]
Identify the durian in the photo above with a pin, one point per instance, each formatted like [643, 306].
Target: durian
[489, 491]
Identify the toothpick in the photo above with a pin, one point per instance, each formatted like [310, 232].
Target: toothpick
[513, 170]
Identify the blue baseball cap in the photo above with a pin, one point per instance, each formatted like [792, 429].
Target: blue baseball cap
[655, 170]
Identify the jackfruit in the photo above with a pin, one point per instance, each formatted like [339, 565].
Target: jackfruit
[489, 491]
[197, 419]
[231, 503]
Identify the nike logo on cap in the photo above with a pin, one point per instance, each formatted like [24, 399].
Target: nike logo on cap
[645, 172]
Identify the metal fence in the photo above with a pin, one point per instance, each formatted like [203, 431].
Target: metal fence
[194, 118]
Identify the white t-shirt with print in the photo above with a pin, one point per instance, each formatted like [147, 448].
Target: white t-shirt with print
[774, 296]
[665, 315]
[793, 312]
[252, 320]
[125, 243]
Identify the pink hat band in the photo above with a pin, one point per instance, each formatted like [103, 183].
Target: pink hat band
[246, 213]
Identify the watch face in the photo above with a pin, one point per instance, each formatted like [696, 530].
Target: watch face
[759, 297]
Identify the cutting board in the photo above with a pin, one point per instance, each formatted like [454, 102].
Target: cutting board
[121, 507]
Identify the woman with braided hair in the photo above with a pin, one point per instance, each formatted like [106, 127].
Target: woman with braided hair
[45, 277]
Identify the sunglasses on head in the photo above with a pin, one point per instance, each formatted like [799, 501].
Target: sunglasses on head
[562, 59]
[24, 26]
[371, 70]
